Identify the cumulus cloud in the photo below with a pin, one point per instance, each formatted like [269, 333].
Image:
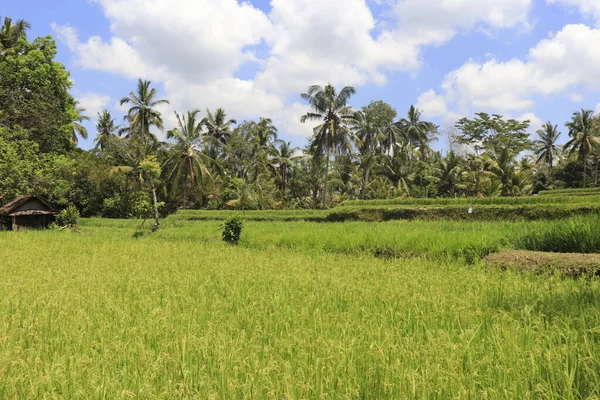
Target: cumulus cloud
[196, 48]
[93, 103]
[436, 22]
[588, 8]
[432, 105]
[557, 64]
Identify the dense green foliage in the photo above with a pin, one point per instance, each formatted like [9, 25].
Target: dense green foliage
[268, 322]
[68, 217]
[209, 161]
[232, 230]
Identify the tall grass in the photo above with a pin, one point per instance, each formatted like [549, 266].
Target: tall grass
[547, 199]
[102, 315]
[575, 235]
[571, 192]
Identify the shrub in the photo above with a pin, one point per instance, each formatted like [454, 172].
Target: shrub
[68, 217]
[232, 230]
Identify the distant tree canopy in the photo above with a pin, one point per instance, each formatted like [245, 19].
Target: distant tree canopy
[140, 168]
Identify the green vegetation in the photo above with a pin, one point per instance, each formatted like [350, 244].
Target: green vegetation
[419, 293]
[232, 230]
[210, 161]
[177, 314]
[576, 235]
[547, 199]
[571, 192]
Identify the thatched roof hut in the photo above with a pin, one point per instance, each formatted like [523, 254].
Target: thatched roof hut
[26, 212]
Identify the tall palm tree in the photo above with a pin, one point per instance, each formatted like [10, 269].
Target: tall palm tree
[188, 161]
[283, 158]
[106, 130]
[332, 135]
[218, 130]
[76, 127]
[545, 147]
[367, 138]
[450, 172]
[584, 132]
[10, 33]
[266, 133]
[417, 132]
[142, 115]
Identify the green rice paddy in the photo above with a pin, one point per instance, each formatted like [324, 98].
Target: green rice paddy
[300, 310]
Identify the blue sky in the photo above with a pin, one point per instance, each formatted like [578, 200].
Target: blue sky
[533, 59]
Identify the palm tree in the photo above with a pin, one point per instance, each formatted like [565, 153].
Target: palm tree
[218, 130]
[142, 114]
[450, 172]
[266, 133]
[187, 161]
[417, 132]
[106, 130]
[76, 127]
[584, 133]
[367, 139]
[545, 147]
[10, 34]
[141, 117]
[332, 135]
[398, 169]
[283, 158]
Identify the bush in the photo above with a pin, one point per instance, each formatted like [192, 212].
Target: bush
[68, 217]
[232, 230]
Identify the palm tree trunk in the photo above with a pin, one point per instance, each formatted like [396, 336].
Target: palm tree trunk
[363, 191]
[325, 181]
[584, 172]
[185, 192]
[155, 203]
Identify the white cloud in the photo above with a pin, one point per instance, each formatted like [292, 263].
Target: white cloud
[196, 47]
[598, 109]
[588, 8]
[93, 103]
[535, 122]
[196, 39]
[560, 63]
[436, 22]
[116, 56]
[432, 105]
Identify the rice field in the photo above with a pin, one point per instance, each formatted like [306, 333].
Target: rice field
[300, 310]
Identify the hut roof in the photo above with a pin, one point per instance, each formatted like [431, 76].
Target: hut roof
[9, 207]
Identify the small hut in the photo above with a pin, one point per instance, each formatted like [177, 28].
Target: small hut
[26, 212]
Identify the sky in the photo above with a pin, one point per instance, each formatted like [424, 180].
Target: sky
[528, 59]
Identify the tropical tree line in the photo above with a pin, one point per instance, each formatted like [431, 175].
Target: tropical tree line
[140, 168]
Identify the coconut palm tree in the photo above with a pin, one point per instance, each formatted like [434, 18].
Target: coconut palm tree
[10, 34]
[545, 147]
[76, 127]
[187, 160]
[417, 132]
[218, 130]
[367, 138]
[142, 115]
[283, 158]
[332, 135]
[584, 132]
[266, 133]
[106, 130]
